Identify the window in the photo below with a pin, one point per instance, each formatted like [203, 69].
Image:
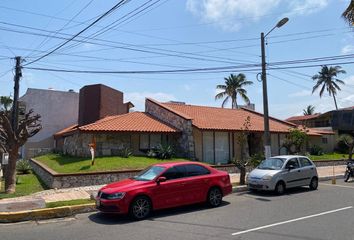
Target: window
[196, 170]
[144, 141]
[324, 140]
[293, 162]
[174, 173]
[305, 162]
[155, 140]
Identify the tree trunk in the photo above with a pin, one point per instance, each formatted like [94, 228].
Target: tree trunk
[351, 148]
[335, 101]
[242, 176]
[10, 172]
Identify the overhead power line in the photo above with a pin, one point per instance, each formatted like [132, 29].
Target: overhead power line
[119, 4]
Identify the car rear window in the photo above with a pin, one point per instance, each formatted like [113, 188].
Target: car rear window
[196, 170]
[174, 173]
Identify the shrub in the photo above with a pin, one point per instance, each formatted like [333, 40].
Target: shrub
[342, 147]
[164, 151]
[316, 150]
[125, 152]
[23, 166]
[151, 154]
[256, 159]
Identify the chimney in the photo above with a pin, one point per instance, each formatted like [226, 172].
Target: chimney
[98, 101]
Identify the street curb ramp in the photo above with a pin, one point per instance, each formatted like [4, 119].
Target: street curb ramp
[46, 213]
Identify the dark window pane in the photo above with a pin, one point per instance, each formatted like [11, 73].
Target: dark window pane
[196, 170]
[293, 162]
[173, 173]
[305, 162]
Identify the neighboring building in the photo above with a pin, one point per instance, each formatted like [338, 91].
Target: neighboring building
[58, 109]
[337, 121]
[207, 134]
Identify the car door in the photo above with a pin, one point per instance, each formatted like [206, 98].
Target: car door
[292, 176]
[197, 183]
[169, 193]
[307, 170]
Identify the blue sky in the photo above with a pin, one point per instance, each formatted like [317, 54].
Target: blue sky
[179, 34]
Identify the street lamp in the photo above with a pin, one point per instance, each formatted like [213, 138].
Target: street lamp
[267, 142]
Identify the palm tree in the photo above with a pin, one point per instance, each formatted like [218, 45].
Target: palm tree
[326, 79]
[233, 85]
[348, 14]
[5, 103]
[309, 110]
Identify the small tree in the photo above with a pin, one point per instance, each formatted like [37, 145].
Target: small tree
[349, 141]
[295, 140]
[242, 139]
[11, 141]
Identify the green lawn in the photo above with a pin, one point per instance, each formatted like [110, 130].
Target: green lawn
[69, 203]
[67, 164]
[26, 184]
[329, 156]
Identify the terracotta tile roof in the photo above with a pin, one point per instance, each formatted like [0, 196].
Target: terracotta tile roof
[67, 130]
[302, 118]
[213, 118]
[130, 122]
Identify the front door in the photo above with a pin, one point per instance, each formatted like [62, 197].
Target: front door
[293, 176]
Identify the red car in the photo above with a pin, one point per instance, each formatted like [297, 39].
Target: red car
[164, 185]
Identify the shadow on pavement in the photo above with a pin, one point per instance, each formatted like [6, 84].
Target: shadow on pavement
[266, 196]
[114, 219]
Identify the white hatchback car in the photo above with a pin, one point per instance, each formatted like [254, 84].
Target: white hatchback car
[281, 172]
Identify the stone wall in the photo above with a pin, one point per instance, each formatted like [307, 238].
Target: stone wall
[53, 179]
[185, 141]
[107, 144]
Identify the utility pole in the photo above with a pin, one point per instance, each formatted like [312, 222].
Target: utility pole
[267, 143]
[267, 140]
[18, 75]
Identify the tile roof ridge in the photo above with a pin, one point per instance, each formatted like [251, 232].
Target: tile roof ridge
[273, 118]
[163, 105]
[202, 106]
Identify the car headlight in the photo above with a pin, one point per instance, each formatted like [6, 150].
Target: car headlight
[118, 195]
[267, 177]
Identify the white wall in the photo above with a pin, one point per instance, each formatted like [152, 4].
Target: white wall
[58, 110]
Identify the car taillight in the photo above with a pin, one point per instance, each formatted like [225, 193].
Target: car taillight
[226, 179]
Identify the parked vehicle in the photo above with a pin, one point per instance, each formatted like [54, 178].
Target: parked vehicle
[349, 172]
[282, 172]
[164, 185]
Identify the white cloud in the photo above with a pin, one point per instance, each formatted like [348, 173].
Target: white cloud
[347, 49]
[228, 14]
[306, 7]
[138, 98]
[301, 93]
[187, 87]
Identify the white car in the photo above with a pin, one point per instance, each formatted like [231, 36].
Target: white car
[281, 172]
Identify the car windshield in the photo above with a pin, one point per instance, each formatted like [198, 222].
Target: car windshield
[271, 164]
[149, 174]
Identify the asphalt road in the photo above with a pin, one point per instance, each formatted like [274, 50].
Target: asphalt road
[327, 213]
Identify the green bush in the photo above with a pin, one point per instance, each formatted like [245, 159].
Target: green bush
[316, 150]
[23, 167]
[164, 151]
[341, 147]
[151, 154]
[256, 159]
[125, 152]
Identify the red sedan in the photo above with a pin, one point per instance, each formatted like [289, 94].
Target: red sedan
[164, 185]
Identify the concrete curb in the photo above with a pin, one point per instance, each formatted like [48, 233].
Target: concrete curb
[46, 213]
[244, 188]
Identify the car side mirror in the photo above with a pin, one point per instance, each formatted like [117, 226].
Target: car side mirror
[290, 167]
[160, 179]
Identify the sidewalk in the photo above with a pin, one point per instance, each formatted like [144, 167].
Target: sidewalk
[38, 200]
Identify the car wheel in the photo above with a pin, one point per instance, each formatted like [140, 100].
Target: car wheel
[279, 188]
[140, 208]
[214, 197]
[314, 183]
